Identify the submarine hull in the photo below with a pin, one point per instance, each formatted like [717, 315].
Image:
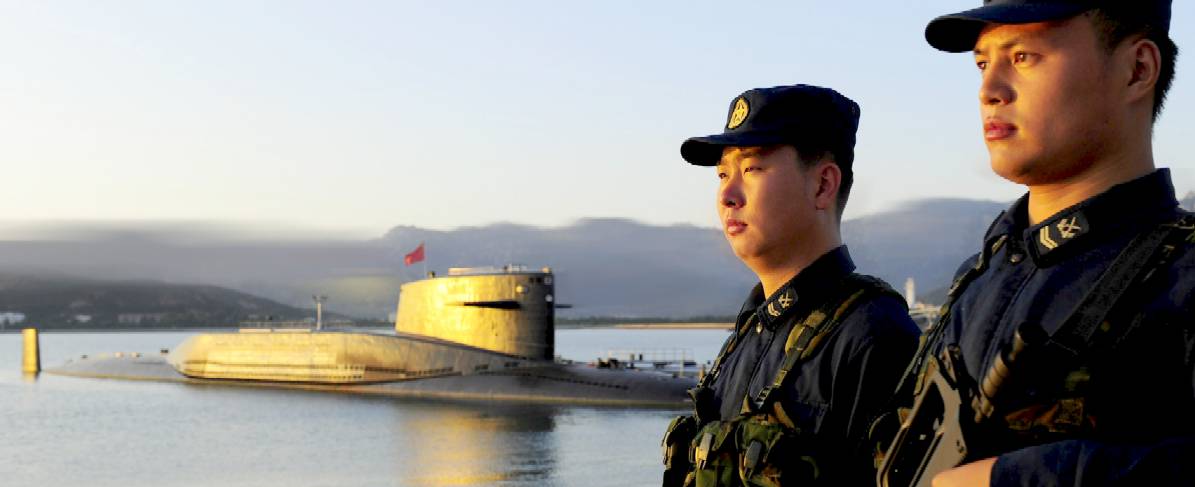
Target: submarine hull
[364, 363]
[478, 333]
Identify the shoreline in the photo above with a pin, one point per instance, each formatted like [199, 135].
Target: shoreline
[198, 329]
[674, 326]
[225, 329]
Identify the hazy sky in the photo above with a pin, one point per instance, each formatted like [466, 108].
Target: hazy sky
[358, 116]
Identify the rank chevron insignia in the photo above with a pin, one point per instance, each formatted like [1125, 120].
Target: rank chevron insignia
[1046, 241]
[1061, 231]
[772, 309]
[785, 300]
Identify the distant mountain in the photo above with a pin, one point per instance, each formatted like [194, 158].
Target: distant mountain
[360, 278]
[604, 267]
[65, 302]
[1188, 201]
[620, 268]
[924, 240]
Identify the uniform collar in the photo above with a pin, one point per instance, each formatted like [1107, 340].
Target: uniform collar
[1126, 208]
[804, 287]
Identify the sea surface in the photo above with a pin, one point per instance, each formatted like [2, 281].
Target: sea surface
[61, 431]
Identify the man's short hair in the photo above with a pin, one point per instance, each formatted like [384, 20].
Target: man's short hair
[1115, 24]
[810, 153]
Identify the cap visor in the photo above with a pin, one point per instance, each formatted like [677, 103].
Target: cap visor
[707, 151]
[958, 32]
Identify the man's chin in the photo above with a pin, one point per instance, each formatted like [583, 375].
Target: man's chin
[742, 249]
[1014, 170]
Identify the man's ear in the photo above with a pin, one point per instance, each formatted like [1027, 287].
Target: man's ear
[828, 177]
[1146, 64]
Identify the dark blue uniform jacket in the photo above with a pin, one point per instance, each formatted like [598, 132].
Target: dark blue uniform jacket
[841, 387]
[1141, 396]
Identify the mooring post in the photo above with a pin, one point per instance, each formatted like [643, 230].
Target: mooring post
[32, 363]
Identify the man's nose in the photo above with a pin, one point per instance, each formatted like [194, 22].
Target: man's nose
[994, 88]
[730, 195]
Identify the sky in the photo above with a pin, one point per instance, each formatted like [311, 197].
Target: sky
[354, 117]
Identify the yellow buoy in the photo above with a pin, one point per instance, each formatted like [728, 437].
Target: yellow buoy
[32, 364]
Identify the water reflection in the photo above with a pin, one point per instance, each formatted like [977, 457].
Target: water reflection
[103, 433]
[477, 444]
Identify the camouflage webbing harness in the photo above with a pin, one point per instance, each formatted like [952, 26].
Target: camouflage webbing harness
[762, 446]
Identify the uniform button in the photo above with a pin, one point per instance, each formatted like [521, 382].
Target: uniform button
[1016, 258]
[758, 328]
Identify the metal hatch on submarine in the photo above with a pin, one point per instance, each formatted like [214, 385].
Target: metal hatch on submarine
[474, 334]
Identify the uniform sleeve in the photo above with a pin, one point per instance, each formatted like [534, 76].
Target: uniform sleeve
[869, 375]
[1089, 463]
[875, 367]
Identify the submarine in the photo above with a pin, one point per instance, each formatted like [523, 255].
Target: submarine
[474, 334]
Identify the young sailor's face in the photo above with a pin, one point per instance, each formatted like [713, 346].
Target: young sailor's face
[1046, 99]
[764, 202]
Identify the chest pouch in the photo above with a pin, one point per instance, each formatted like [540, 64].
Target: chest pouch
[715, 459]
[752, 450]
[676, 445]
[771, 454]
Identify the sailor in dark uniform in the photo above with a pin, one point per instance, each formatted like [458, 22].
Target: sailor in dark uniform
[1071, 335]
[817, 349]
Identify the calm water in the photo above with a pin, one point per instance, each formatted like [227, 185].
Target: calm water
[67, 431]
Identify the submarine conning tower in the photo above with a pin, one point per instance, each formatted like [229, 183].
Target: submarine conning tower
[508, 309]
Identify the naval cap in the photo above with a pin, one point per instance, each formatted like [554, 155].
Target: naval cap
[958, 32]
[800, 115]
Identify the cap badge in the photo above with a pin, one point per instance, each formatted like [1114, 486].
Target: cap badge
[739, 114]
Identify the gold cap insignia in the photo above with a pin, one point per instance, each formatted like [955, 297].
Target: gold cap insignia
[739, 114]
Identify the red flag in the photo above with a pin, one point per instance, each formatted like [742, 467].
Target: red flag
[415, 256]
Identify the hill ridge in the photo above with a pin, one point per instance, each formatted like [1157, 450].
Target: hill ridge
[606, 266]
